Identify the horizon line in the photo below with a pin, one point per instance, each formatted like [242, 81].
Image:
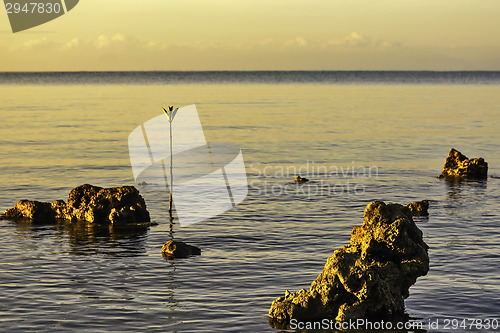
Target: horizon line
[252, 71]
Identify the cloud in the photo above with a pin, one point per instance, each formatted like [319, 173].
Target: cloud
[72, 44]
[39, 43]
[297, 41]
[357, 40]
[118, 42]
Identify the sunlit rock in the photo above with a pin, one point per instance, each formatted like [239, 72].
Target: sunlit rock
[419, 208]
[458, 165]
[299, 180]
[177, 249]
[370, 277]
[116, 205]
[32, 211]
[106, 205]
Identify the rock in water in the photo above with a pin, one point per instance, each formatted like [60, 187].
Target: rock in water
[419, 208]
[370, 277]
[177, 249]
[34, 211]
[117, 205]
[300, 180]
[458, 165]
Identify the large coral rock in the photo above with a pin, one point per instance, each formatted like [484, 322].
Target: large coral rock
[116, 205]
[368, 278]
[458, 165]
[105, 205]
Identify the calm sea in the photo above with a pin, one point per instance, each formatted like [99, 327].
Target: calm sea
[394, 129]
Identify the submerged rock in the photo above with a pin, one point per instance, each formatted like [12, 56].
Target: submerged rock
[299, 179]
[458, 165]
[177, 249]
[419, 208]
[369, 277]
[116, 205]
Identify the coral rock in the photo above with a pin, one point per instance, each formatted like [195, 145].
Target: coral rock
[33, 211]
[419, 208]
[106, 205]
[177, 249]
[116, 205]
[299, 179]
[369, 277]
[458, 165]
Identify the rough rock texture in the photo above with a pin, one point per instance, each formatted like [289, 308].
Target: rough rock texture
[35, 211]
[177, 249]
[105, 205]
[458, 165]
[368, 278]
[299, 179]
[116, 205]
[419, 208]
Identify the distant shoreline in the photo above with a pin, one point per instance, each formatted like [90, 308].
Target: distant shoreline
[258, 77]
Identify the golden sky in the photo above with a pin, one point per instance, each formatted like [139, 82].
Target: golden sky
[260, 35]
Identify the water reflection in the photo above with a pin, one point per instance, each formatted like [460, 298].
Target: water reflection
[171, 285]
[89, 239]
[465, 191]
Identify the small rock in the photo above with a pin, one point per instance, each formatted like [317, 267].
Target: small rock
[419, 208]
[299, 179]
[458, 165]
[177, 249]
[33, 211]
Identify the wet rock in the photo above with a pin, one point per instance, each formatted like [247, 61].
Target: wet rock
[299, 180]
[32, 211]
[419, 208]
[458, 165]
[177, 249]
[370, 277]
[58, 206]
[117, 205]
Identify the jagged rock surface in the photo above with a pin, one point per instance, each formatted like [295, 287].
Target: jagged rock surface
[458, 165]
[177, 249]
[116, 205]
[35, 211]
[368, 278]
[419, 208]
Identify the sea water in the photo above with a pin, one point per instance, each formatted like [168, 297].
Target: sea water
[358, 136]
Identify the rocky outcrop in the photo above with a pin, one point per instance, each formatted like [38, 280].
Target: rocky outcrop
[177, 249]
[370, 277]
[116, 205]
[105, 205]
[419, 208]
[300, 180]
[458, 165]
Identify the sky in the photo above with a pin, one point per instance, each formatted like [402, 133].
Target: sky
[119, 35]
